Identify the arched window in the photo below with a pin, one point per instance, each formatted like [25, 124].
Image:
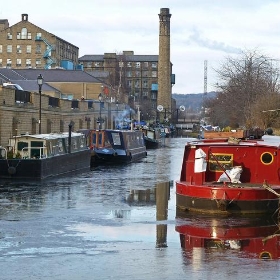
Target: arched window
[24, 33]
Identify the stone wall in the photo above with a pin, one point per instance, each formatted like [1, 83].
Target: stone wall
[17, 117]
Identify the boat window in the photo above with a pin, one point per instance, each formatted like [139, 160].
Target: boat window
[36, 149]
[25, 152]
[116, 138]
[60, 146]
[266, 158]
[100, 136]
[220, 162]
[93, 141]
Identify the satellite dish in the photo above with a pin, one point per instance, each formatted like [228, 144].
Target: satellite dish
[160, 108]
[182, 108]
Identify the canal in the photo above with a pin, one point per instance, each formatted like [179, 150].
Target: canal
[120, 222]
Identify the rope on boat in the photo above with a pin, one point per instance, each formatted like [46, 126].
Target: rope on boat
[222, 167]
[267, 187]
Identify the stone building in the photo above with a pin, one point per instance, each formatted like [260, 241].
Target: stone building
[25, 45]
[132, 78]
[20, 112]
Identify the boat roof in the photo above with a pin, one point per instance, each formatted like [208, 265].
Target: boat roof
[49, 136]
[267, 140]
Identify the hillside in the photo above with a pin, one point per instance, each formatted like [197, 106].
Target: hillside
[192, 101]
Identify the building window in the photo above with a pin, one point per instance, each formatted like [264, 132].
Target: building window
[28, 49]
[129, 64]
[9, 48]
[38, 35]
[129, 83]
[29, 36]
[38, 48]
[1, 62]
[128, 74]
[28, 62]
[137, 84]
[38, 61]
[1, 48]
[88, 64]
[96, 64]
[137, 73]
[154, 65]
[18, 35]
[18, 49]
[18, 61]
[154, 74]
[9, 36]
[145, 64]
[9, 62]
[138, 64]
[145, 83]
[145, 73]
[23, 33]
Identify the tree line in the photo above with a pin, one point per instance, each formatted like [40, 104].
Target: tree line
[248, 93]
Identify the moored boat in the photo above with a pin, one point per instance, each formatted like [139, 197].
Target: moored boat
[230, 176]
[111, 146]
[41, 156]
[152, 138]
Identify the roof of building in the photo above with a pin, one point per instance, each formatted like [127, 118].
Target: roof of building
[27, 78]
[132, 58]
[49, 75]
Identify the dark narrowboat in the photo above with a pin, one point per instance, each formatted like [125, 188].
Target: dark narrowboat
[42, 156]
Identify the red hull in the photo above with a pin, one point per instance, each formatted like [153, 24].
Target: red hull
[207, 186]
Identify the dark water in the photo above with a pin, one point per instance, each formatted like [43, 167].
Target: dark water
[115, 223]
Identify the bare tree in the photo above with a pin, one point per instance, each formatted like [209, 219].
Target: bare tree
[243, 81]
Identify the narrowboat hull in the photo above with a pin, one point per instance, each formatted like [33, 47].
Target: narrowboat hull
[225, 200]
[116, 156]
[151, 143]
[43, 168]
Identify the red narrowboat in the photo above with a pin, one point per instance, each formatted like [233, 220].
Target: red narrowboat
[230, 176]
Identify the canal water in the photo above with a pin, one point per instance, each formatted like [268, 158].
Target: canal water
[120, 222]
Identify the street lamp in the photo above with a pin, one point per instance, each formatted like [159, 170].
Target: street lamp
[100, 120]
[117, 122]
[40, 83]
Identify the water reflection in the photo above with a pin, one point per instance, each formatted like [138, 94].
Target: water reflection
[160, 195]
[249, 237]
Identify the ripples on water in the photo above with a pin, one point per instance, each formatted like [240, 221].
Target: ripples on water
[114, 223]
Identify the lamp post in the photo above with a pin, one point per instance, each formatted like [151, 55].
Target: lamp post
[100, 120]
[117, 121]
[40, 83]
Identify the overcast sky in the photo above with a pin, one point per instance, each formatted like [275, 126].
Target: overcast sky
[201, 30]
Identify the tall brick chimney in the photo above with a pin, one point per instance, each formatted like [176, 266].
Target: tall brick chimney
[164, 67]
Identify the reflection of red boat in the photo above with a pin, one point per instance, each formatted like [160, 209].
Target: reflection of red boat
[230, 176]
[256, 240]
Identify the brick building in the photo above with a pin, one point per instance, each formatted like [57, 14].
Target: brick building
[25, 45]
[133, 78]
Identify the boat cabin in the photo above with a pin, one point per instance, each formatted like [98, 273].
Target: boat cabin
[45, 145]
[212, 160]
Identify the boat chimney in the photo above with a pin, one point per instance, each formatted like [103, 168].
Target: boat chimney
[69, 138]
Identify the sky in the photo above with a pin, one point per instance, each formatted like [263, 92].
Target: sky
[201, 31]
